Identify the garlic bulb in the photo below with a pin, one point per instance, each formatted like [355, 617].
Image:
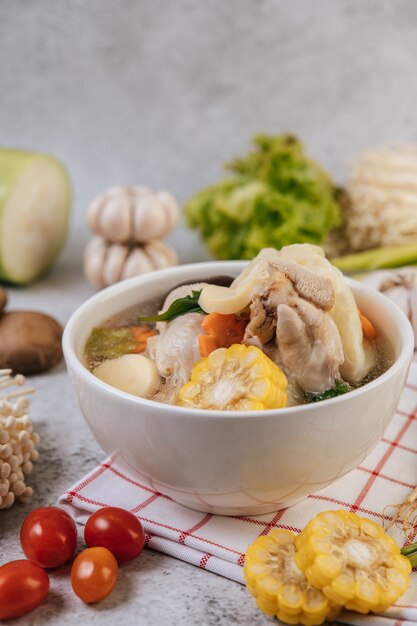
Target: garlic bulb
[18, 442]
[383, 199]
[400, 286]
[107, 263]
[133, 214]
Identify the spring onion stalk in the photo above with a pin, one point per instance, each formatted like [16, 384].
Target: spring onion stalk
[377, 258]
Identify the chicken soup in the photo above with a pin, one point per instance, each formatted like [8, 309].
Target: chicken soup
[286, 331]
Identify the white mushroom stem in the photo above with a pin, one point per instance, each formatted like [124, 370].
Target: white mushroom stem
[6, 379]
[22, 392]
[18, 442]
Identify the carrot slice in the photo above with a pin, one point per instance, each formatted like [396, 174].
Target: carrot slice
[222, 331]
[140, 336]
[207, 344]
[368, 328]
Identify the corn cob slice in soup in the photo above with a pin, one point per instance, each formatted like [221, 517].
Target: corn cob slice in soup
[239, 378]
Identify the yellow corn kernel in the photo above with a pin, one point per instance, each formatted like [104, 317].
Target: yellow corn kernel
[352, 561]
[239, 378]
[279, 586]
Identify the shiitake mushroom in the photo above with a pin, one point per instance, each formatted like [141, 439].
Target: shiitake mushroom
[30, 342]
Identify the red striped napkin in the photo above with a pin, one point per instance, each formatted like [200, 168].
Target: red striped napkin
[218, 543]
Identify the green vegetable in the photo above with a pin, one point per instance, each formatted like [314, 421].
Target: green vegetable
[108, 343]
[181, 306]
[377, 258]
[410, 552]
[339, 389]
[34, 210]
[276, 196]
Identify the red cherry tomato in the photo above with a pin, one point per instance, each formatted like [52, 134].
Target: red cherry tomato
[23, 586]
[48, 536]
[94, 574]
[117, 530]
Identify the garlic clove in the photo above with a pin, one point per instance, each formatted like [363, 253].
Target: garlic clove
[93, 213]
[116, 218]
[171, 207]
[114, 263]
[94, 257]
[150, 219]
[161, 254]
[136, 263]
[400, 295]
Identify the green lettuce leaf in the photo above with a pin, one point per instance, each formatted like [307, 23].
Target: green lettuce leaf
[276, 196]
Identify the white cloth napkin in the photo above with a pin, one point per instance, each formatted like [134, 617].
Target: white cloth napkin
[218, 544]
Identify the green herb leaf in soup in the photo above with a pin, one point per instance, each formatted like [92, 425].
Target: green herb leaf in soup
[181, 306]
[339, 389]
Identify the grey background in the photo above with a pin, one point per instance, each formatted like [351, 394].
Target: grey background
[162, 93]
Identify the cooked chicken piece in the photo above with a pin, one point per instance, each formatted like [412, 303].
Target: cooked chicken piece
[263, 309]
[262, 324]
[309, 345]
[288, 284]
[360, 356]
[175, 351]
[309, 285]
[294, 311]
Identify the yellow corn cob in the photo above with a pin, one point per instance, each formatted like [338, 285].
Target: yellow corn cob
[239, 378]
[279, 586]
[353, 561]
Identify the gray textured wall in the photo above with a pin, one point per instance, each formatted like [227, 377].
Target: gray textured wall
[162, 92]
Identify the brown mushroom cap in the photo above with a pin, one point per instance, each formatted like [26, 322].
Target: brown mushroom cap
[30, 342]
[3, 298]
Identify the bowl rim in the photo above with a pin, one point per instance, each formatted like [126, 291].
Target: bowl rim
[73, 362]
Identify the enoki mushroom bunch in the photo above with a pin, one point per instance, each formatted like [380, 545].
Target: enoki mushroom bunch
[128, 223]
[18, 442]
[383, 199]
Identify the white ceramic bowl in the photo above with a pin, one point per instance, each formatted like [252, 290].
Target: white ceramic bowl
[235, 463]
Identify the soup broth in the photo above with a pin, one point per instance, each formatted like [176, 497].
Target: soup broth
[129, 318]
[285, 331]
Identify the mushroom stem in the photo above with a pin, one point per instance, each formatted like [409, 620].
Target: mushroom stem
[21, 392]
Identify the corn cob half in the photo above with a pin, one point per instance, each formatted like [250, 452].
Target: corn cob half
[352, 561]
[278, 584]
[239, 378]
